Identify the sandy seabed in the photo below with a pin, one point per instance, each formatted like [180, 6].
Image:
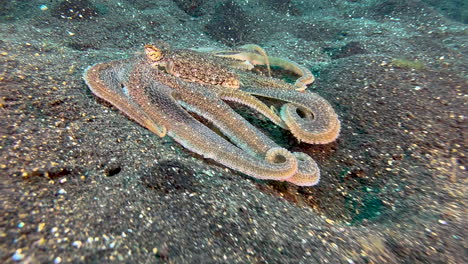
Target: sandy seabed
[82, 183]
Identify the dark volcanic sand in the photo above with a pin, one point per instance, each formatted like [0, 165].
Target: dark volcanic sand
[82, 183]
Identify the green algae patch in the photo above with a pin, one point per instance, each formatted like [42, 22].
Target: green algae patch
[407, 64]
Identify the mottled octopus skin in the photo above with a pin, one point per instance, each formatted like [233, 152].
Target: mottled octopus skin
[181, 64]
[161, 101]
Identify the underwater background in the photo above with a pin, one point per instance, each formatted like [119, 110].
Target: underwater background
[82, 183]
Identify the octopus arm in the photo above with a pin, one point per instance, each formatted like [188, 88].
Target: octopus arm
[247, 137]
[156, 100]
[251, 55]
[255, 104]
[306, 77]
[106, 80]
[308, 173]
[308, 116]
[246, 59]
[264, 59]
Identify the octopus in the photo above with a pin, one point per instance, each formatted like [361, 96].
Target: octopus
[190, 96]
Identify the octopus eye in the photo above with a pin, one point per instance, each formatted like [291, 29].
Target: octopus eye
[153, 53]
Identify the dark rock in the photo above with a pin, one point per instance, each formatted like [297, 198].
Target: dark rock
[169, 176]
[112, 169]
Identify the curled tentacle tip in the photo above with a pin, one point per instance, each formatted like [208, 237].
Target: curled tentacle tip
[281, 156]
[314, 127]
[304, 183]
[308, 173]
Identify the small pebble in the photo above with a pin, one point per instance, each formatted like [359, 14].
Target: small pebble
[77, 244]
[40, 227]
[62, 191]
[442, 222]
[17, 256]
